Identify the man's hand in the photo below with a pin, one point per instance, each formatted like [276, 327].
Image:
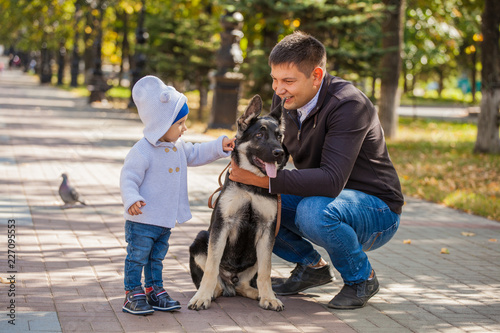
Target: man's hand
[135, 209]
[246, 177]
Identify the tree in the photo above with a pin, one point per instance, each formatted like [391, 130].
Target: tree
[467, 20]
[349, 30]
[488, 140]
[432, 39]
[264, 24]
[390, 66]
[351, 33]
[182, 42]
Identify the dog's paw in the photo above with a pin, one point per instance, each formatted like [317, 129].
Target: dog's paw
[199, 303]
[271, 304]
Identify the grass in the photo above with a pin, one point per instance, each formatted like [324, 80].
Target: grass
[435, 162]
[449, 97]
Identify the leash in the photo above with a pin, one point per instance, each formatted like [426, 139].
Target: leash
[212, 204]
[278, 217]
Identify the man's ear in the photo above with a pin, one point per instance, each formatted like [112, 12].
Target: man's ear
[318, 76]
[252, 111]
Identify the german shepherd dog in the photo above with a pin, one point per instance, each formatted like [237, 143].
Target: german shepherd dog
[236, 249]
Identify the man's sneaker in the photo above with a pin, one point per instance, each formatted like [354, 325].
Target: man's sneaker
[302, 278]
[355, 296]
[159, 299]
[135, 303]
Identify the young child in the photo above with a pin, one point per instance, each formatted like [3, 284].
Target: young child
[153, 185]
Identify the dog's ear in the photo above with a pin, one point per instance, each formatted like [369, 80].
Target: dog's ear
[252, 111]
[277, 112]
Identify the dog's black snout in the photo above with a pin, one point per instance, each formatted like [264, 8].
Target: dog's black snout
[278, 152]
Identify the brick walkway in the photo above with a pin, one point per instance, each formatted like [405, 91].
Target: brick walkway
[69, 263]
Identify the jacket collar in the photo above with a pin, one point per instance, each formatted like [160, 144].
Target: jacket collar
[323, 92]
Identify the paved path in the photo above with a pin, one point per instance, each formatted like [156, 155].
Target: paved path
[69, 263]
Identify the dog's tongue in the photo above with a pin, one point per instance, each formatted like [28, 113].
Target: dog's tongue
[270, 169]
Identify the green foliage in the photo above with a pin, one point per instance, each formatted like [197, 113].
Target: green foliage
[438, 35]
[28, 23]
[349, 29]
[182, 40]
[262, 28]
[351, 32]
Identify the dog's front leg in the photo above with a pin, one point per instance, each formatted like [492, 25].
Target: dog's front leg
[267, 297]
[203, 297]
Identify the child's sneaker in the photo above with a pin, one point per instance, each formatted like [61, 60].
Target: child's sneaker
[161, 301]
[136, 303]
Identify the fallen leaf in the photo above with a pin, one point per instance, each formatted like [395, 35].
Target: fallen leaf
[493, 240]
[468, 234]
[445, 251]
[407, 241]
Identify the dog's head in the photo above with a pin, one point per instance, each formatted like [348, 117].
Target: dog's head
[259, 140]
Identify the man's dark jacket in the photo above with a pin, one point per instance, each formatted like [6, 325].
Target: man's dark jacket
[339, 145]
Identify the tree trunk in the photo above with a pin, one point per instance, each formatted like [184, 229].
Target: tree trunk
[374, 82]
[203, 101]
[487, 127]
[88, 52]
[125, 46]
[390, 65]
[488, 140]
[473, 77]
[405, 80]
[440, 82]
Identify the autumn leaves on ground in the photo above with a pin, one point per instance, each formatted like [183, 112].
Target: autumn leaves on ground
[435, 162]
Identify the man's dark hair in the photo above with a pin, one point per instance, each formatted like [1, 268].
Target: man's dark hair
[301, 49]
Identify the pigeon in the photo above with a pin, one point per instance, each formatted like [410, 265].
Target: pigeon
[68, 194]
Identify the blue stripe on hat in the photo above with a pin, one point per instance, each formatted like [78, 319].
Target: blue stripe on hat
[182, 113]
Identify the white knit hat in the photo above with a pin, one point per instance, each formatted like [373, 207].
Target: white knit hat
[158, 105]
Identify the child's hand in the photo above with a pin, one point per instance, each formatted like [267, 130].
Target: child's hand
[228, 144]
[135, 209]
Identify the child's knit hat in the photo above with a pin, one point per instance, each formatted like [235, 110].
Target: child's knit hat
[158, 106]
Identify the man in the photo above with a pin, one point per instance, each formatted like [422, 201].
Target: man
[344, 194]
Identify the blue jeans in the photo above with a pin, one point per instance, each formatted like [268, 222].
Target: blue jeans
[147, 247]
[345, 226]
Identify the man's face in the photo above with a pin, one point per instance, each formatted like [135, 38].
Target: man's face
[291, 83]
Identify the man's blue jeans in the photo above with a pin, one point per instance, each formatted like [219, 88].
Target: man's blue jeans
[345, 226]
[147, 247]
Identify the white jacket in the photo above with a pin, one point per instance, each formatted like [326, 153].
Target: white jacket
[154, 171]
[157, 175]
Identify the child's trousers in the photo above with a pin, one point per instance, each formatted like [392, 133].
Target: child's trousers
[147, 247]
